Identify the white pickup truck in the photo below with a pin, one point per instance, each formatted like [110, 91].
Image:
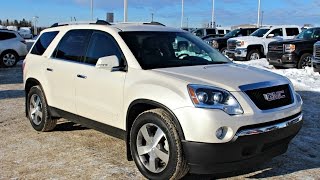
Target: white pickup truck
[255, 46]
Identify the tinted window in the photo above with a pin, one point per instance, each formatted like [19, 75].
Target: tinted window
[101, 45]
[292, 31]
[43, 42]
[7, 35]
[259, 32]
[220, 31]
[73, 45]
[277, 32]
[309, 34]
[211, 31]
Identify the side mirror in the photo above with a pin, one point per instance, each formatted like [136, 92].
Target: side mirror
[270, 36]
[108, 62]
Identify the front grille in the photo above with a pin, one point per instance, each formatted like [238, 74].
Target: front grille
[275, 48]
[317, 52]
[271, 97]
[232, 45]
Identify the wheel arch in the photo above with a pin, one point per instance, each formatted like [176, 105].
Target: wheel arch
[259, 47]
[31, 82]
[9, 50]
[137, 107]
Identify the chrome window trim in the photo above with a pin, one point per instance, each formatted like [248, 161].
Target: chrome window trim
[255, 131]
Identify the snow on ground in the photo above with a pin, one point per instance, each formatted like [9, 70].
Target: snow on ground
[303, 79]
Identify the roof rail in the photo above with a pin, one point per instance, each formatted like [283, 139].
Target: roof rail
[99, 22]
[143, 23]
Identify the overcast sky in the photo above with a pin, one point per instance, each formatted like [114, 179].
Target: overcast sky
[198, 12]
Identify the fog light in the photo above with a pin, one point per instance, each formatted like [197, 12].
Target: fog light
[221, 132]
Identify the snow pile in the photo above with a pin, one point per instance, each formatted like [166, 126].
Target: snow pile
[304, 79]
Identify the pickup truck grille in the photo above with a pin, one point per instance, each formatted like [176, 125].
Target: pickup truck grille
[271, 97]
[232, 45]
[275, 48]
[317, 52]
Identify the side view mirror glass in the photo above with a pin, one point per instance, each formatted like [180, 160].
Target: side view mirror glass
[108, 62]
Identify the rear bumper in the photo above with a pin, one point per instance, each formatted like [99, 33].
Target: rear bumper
[283, 60]
[244, 151]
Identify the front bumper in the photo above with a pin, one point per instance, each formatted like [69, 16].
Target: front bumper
[238, 54]
[283, 60]
[249, 147]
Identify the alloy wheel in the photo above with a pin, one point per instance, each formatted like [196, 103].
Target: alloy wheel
[306, 62]
[35, 109]
[152, 147]
[9, 59]
[254, 56]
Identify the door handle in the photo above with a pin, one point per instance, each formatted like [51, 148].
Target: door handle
[81, 76]
[49, 69]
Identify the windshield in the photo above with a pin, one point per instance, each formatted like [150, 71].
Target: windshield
[309, 34]
[260, 32]
[171, 49]
[233, 33]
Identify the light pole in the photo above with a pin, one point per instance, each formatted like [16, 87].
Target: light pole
[35, 30]
[152, 17]
[259, 13]
[212, 15]
[92, 10]
[125, 14]
[182, 13]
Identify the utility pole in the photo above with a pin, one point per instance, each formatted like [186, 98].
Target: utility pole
[262, 15]
[182, 13]
[259, 13]
[152, 17]
[92, 10]
[212, 16]
[125, 14]
[187, 22]
[35, 31]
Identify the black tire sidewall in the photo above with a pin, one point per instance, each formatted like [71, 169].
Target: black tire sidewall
[157, 120]
[38, 91]
[7, 52]
[301, 59]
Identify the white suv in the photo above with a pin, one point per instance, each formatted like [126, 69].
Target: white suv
[12, 48]
[180, 105]
[255, 46]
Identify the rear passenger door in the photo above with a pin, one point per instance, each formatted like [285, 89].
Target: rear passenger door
[99, 92]
[63, 68]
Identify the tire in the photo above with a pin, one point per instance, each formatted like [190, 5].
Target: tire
[38, 112]
[253, 55]
[223, 51]
[8, 59]
[304, 61]
[172, 165]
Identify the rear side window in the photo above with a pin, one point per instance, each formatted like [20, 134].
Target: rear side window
[220, 31]
[73, 45]
[43, 42]
[101, 45]
[292, 31]
[7, 35]
[211, 31]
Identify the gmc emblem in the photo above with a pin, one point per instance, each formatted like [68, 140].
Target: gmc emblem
[274, 95]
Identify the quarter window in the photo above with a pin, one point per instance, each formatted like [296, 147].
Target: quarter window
[101, 45]
[43, 42]
[73, 45]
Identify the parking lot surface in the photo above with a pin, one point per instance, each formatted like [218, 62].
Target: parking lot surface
[75, 152]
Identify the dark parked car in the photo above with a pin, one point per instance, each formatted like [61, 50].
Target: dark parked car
[295, 53]
[220, 43]
[316, 59]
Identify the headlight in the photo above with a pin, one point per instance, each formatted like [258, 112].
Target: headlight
[289, 48]
[214, 98]
[240, 43]
[215, 44]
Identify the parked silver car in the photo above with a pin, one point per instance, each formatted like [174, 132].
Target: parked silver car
[12, 48]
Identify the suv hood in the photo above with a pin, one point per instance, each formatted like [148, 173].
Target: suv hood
[227, 76]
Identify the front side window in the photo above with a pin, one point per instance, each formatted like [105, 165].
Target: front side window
[313, 33]
[170, 49]
[277, 32]
[7, 35]
[73, 45]
[101, 45]
[260, 32]
[43, 42]
[233, 33]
